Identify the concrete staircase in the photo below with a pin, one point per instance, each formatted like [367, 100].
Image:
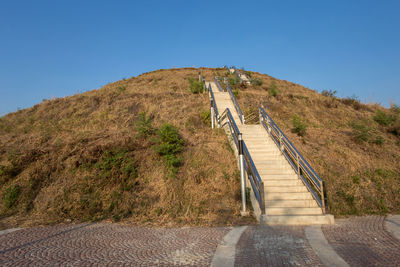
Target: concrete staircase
[287, 200]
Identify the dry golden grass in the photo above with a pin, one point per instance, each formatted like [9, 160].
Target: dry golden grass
[51, 150]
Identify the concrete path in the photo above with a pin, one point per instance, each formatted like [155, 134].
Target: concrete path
[359, 241]
[392, 224]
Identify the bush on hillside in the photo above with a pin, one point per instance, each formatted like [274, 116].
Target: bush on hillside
[299, 126]
[168, 145]
[329, 93]
[364, 133]
[395, 109]
[234, 80]
[256, 82]
[196, 87]
[11, 196]
[206, 117]
[352, 101]
[382, 118]
[272, 90]
[143, 125]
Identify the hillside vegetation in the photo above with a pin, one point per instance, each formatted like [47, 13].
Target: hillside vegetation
[354, 147]
[139, 151]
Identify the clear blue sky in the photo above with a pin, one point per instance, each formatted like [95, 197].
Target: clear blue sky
[57, 48]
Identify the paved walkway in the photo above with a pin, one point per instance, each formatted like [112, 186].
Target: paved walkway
[359, 241]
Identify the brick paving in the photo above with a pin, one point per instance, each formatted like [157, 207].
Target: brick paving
[110, 244]
[360, 241]
[275, 246]
[363, 241]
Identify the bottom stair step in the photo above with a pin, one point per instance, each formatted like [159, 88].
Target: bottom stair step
[306, 203]
[299, 219]
[292, 211]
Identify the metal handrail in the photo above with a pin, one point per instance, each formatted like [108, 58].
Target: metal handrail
[218, 85]
[232, 124]
[214, 104]
[203, 81]
[303, 169]
[239, 73]
[235, 103]
[255, 180]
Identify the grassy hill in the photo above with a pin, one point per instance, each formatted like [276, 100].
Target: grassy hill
[141, 151]
[138, 150]
[354, 147]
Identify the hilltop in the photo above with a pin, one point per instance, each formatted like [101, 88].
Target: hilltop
[141, 151]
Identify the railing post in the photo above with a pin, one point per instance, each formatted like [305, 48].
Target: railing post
[298, 164]
[280, 142]
[263, 217]
[323, 197]
[243, 119]
[212, 114]
[242, 175]
[218, 121]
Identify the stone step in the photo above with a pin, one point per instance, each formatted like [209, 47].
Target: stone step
[285, 189]
[262, 146]
[299, 219]
[281, 177]
[287, 196]
[263, 170]
[265, 153]
[275, 166]
[292, 211]
[275, 182]
[308, 203]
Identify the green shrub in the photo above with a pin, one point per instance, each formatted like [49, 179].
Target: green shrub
[169, 145]
[272, 90]
[383, 118]
[352, 101]
[256, 82]
[121, 88]
[379, 140]
[236, 92]
[144, 126]
[365, 133]
[248, 73]
[299, 126]
[11, 196]
[196, 87]
[361, 132]
[395, 109]
[205, 117]
[117, 166]
[233, 80]
[329, 93]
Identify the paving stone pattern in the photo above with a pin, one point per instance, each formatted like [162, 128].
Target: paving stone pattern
[275, 246]
[363, 241]
[110, 244]
[360, 241]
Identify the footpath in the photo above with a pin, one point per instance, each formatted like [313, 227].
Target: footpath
[358, 241]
